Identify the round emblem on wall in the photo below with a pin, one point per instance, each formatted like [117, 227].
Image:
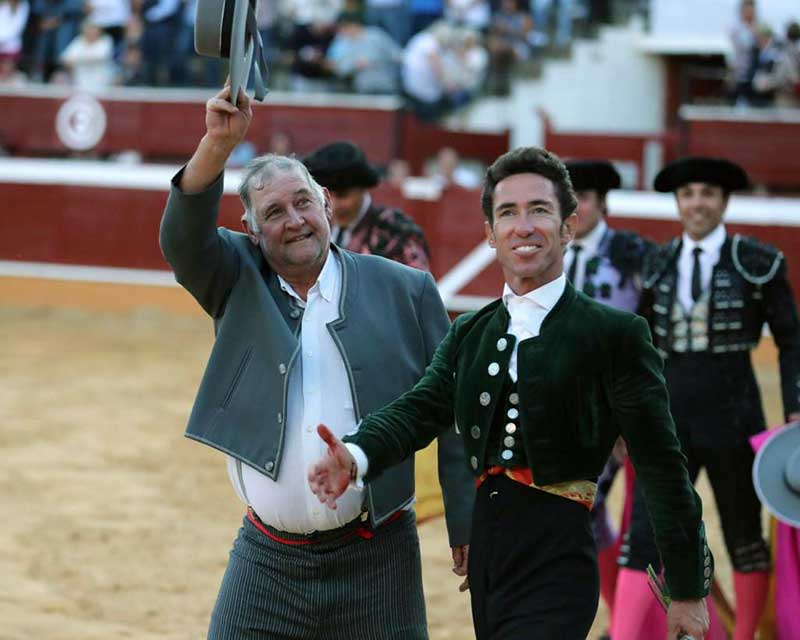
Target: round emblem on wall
[81, 123]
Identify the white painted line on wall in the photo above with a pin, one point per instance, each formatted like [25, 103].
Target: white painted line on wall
[79, 273]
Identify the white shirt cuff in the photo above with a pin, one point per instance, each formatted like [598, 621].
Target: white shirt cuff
[362, 464]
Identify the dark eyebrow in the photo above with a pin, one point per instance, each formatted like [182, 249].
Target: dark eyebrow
[530, 203]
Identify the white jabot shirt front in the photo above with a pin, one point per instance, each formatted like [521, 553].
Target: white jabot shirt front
[527, 312]
[711, 246]
[589, 245]
[347, 232]
[319, 392]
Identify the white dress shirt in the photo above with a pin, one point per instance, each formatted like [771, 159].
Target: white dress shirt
[319, 392]
[589, 245]
[711, 246]
[528, 312]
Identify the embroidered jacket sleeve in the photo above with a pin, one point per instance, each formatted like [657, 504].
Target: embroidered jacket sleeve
[393, 235]
[780, 312]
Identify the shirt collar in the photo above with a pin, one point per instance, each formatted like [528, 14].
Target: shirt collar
[326, 281]
[710, 244]
[591, 241]
[545, 296]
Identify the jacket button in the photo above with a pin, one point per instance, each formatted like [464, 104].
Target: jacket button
[513, 414]
[494, 369]
[507, 454]
[475, 432]
[282, 368]
[485, 399]
[511, 428]
[509, 441]
[513, 398]
[294, 314]
[473, 461]
[502, 343]
[269, 466]
[706, 584]
[280, 417]
[707, 572]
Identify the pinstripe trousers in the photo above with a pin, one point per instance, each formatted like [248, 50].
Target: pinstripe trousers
[356, 589]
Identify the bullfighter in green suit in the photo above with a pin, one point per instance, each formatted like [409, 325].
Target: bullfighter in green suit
[540, 384]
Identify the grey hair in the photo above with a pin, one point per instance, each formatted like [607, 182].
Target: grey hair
[262, 169]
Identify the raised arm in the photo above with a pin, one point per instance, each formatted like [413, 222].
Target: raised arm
[202, 260]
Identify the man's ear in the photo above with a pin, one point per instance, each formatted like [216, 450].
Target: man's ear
[246, 228]
[568, 227]
[489, 234]
[327, 203]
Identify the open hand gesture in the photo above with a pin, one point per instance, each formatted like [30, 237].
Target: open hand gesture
[330, 476]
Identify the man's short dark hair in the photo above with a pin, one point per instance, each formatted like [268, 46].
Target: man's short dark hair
[529, 160]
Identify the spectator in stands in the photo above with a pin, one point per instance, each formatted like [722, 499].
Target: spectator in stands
[397, 172]
[90, 58]
[308, 47]
[424, 13]
[788, 94]
[745, 48]
[509, 41]
[449, 170]
[162, 62]
[359, 224]
[197, 70]
[390, 15]
[13, 18]
[768, 73]
[313, 11]
[111, 16]
[466, 64]
[428, 86]
[542, 17]
[58, 23]
[367, 57]
[475, 14]
[280, 143]
[131, 63]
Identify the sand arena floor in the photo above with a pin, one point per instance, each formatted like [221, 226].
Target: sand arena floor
[115, 525]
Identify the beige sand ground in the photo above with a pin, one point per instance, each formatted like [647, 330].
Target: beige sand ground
[115, 526]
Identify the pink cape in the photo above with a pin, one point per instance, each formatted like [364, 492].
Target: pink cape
[787, 568]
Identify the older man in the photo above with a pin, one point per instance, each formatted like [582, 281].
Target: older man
[305, 333]
[539, 401]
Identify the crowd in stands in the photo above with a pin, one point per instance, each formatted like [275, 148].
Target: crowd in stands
[436, 53]
[764, 67]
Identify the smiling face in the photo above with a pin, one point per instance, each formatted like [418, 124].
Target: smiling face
[701, 206]
[292, 226]
[528, 232]
[590, 211]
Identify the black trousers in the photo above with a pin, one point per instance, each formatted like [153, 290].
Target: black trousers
[532, 564]
[715, 402]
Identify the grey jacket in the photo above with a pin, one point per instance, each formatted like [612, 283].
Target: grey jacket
[391, 321]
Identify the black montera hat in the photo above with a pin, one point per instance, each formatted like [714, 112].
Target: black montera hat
[724, 173]
[340, 166]
[593, 175]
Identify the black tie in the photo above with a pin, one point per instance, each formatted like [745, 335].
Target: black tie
[339, 236]
[697, 287]
[576, 249]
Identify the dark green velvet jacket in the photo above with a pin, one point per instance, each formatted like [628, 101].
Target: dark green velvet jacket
[591, 375]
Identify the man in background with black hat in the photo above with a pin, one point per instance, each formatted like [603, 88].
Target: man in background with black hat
[606, 265]
[359, 224]
[707, 296]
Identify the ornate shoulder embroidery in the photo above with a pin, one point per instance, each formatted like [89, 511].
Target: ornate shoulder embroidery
[657, 261]
[756, 262]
